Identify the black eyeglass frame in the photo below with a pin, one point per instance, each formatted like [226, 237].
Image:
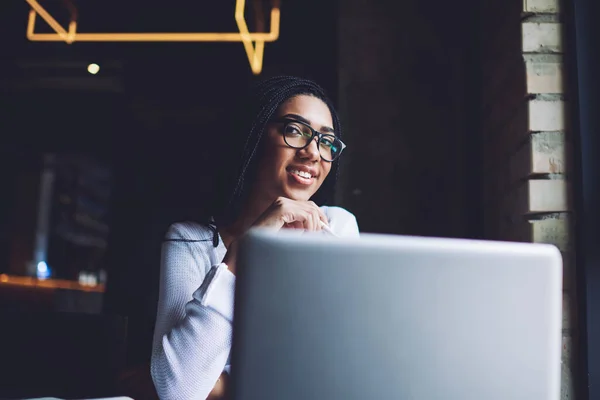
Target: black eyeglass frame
[285, 121]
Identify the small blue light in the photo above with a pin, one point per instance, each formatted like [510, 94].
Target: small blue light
[43, 271]
[42, 267]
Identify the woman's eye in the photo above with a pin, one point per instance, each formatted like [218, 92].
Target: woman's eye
[328, 143]
[292, 130]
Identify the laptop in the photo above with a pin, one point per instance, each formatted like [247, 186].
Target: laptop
[395, 317]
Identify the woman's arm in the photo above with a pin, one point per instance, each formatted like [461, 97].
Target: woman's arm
[192, 337]
[221, 391]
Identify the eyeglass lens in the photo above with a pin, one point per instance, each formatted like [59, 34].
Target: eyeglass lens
[298, 135]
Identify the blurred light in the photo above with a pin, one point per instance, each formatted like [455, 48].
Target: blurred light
[254, 52]
[3, 278]
[93, 69]
[42, 267]
[43, 271]
[88, 279]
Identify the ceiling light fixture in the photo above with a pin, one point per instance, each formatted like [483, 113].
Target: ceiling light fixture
[254, 42]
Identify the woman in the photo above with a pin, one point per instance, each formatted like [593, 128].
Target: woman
[289, 157]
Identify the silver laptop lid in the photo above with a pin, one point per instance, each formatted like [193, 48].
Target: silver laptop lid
[390, 317]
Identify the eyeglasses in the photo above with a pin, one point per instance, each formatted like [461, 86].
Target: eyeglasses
[299, 135]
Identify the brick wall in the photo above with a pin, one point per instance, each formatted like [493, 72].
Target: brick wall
[526, 144]
[406, 110]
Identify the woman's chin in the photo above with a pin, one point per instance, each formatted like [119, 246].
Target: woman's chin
[298, 194]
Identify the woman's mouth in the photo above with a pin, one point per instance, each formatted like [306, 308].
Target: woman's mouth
[301, 177]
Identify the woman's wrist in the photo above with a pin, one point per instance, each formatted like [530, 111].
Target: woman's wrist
[230, 257]
[219, 391]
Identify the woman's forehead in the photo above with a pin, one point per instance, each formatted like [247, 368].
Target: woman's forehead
[310, 108]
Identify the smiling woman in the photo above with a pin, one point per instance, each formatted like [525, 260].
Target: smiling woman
[296, 166]
[290, 141]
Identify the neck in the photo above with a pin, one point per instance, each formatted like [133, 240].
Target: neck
[252, 209]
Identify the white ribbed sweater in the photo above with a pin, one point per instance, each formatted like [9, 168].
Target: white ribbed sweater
[192, 337]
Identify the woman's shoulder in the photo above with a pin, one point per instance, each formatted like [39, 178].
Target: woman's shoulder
[189, 231]
[189, 244]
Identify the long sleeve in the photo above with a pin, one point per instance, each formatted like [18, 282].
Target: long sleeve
[341, 221]
[192, 337]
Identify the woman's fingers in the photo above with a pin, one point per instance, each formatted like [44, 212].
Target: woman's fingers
[309, 220]
[321, 215]
[294, 225]
[293, 214]
[300, 218]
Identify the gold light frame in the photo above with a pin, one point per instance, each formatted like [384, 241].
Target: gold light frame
[254, 42]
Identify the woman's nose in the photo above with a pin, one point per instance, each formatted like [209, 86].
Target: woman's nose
[312, 150]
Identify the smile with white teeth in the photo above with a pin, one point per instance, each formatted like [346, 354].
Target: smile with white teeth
[302, 174]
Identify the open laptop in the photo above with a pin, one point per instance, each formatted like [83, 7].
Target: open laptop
[392, 317]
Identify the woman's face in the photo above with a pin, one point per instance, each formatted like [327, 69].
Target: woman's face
[283, 170]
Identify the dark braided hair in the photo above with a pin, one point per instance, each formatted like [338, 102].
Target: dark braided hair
[251, 115]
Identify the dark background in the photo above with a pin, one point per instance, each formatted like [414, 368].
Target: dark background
[405, 76]
[405, 81]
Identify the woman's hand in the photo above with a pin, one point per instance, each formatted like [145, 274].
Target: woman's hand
[283, 213]
[287, 213]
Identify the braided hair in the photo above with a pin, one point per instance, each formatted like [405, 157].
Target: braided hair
[251, 115]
